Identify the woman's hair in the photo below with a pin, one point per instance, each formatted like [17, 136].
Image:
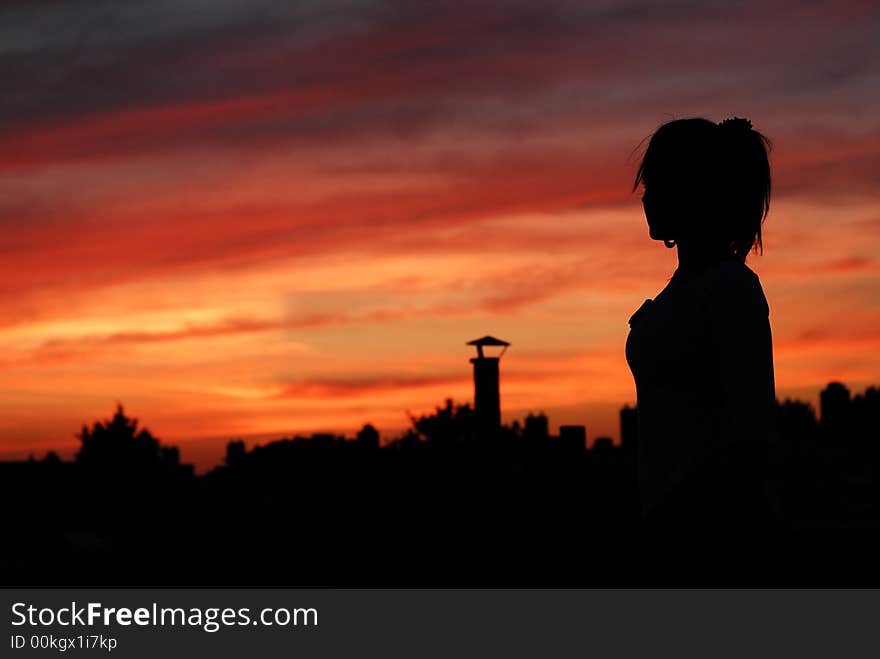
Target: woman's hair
[717, 173]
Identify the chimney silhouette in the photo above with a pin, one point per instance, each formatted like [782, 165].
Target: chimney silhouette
[487, 399]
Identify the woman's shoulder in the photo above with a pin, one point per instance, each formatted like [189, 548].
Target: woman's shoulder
[735, 273]
[732, 275]
[733, 284]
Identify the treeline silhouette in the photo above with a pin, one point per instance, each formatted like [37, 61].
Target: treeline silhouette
[446, 503]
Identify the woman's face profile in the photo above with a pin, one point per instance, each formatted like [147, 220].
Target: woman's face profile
[659, 205]
[671, 200]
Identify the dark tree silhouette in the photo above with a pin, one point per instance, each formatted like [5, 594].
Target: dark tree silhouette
[449, 423]
[118, 442]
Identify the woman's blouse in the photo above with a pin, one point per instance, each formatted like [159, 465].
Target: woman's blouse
[702, 359]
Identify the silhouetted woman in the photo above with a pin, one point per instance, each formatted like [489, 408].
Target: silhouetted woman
[701, 351]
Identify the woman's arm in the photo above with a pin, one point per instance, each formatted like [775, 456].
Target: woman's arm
[732, 487]
[742, 351]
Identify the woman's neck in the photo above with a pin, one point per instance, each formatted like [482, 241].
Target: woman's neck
[695, 256]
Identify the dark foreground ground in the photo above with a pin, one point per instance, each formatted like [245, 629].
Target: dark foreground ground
[302, 516]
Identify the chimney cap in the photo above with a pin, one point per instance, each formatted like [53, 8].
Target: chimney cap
[487, 341]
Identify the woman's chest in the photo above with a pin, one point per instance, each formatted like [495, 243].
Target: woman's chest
[668, 342]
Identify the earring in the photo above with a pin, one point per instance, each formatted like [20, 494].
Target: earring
[669, 243]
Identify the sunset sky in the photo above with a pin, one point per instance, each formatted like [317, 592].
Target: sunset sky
[251, 218]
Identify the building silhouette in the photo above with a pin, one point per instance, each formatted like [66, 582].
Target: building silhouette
[629, 428]
[834, 401]
[536, 427]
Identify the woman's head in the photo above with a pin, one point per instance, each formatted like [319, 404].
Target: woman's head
[707, 184]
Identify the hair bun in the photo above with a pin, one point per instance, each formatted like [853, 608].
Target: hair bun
[737, 124]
